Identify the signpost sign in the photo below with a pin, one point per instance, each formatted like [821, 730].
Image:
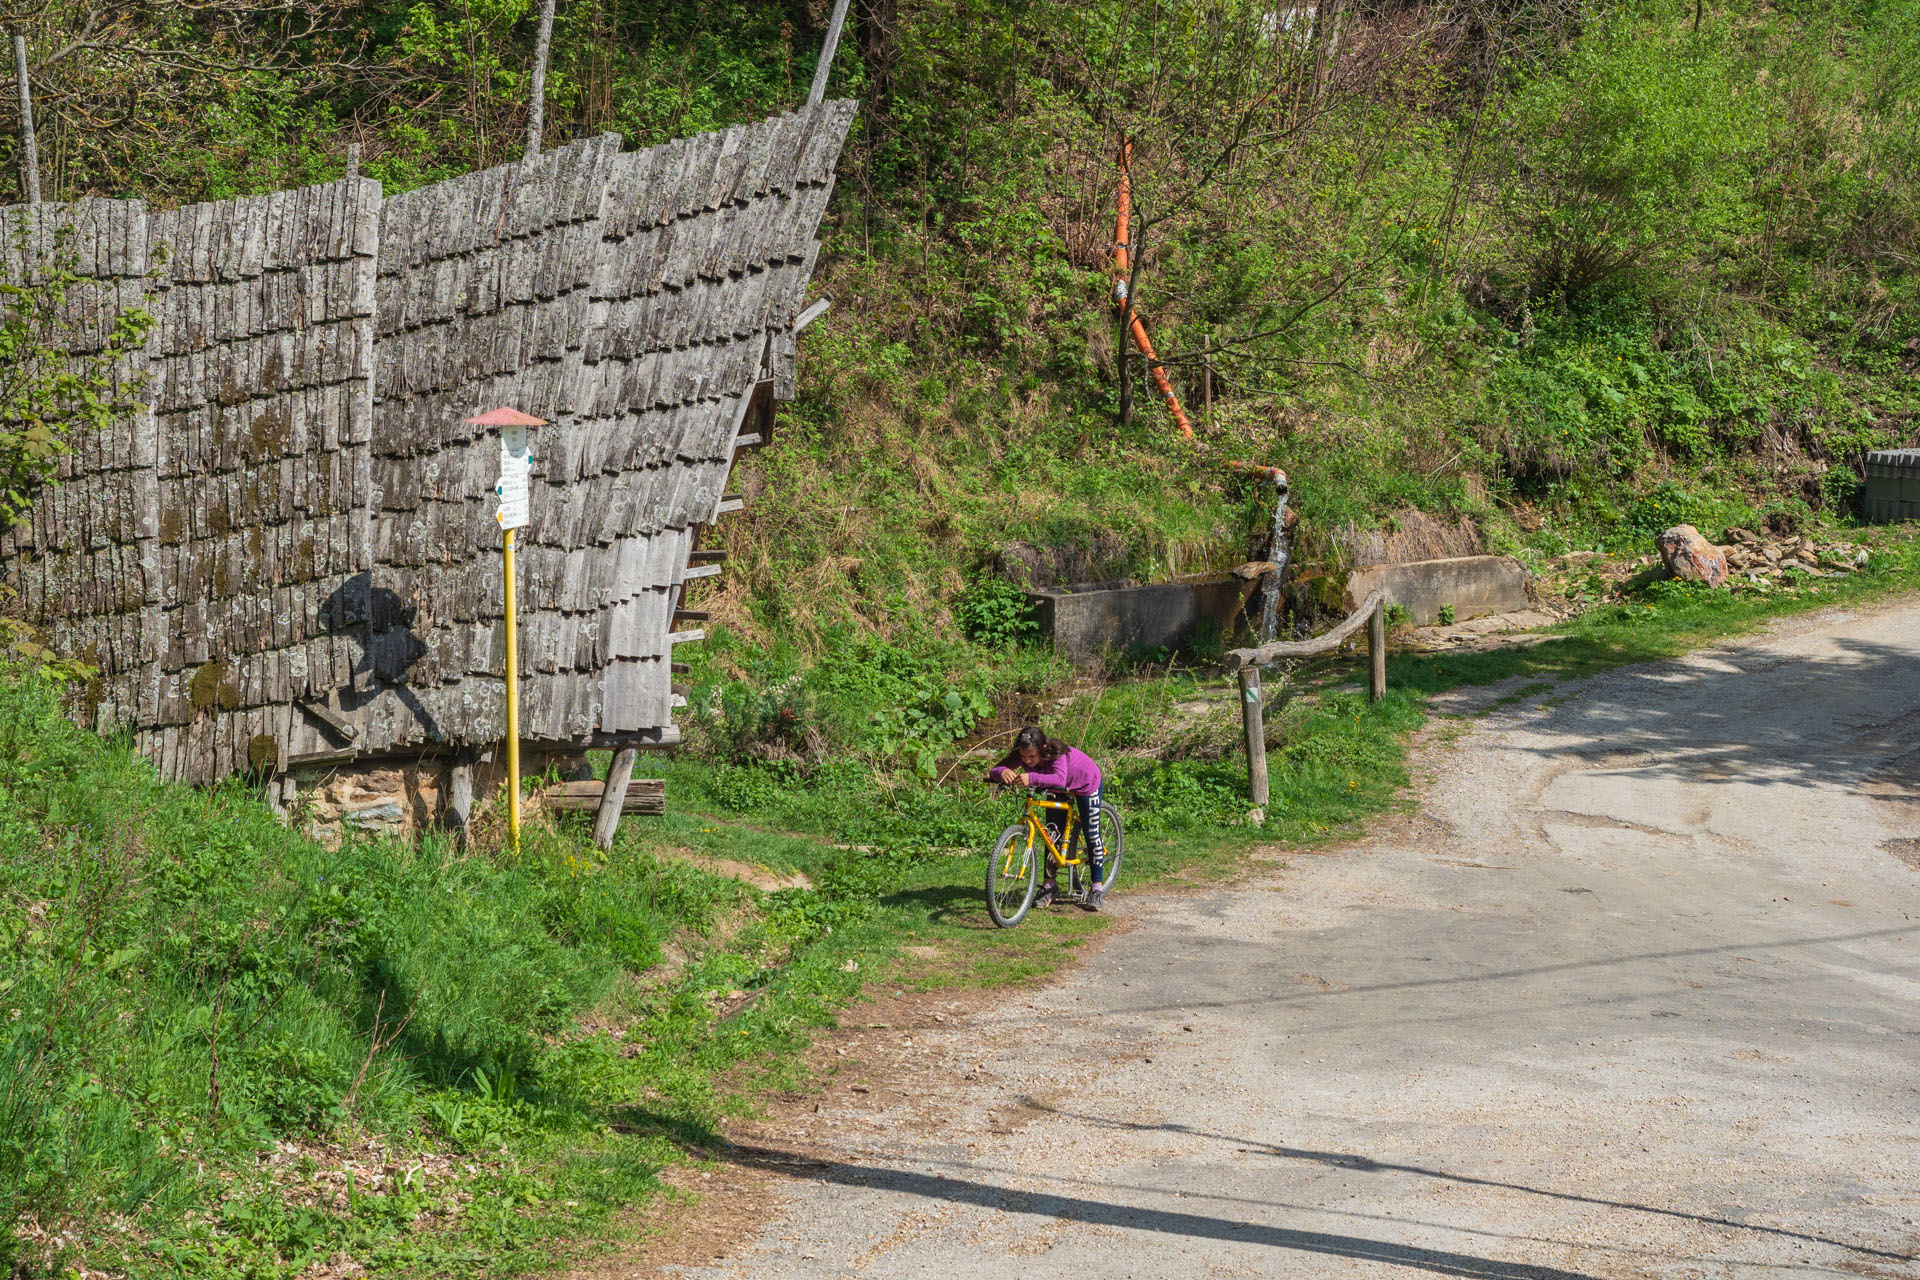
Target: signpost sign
[515, 512]
[515, 466]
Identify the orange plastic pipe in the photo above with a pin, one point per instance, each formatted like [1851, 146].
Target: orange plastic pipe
[1120, 301]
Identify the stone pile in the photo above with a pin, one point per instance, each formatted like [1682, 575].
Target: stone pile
[1754, 559]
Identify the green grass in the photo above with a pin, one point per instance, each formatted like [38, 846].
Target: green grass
[186, 983]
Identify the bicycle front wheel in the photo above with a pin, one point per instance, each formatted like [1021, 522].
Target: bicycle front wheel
[1012, 876]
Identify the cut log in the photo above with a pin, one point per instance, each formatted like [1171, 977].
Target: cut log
[644, 795]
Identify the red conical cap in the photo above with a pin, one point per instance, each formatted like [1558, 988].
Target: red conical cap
[505, 417]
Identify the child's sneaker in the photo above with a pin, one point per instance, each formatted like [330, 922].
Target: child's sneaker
[1047, 891]
[1095, 896]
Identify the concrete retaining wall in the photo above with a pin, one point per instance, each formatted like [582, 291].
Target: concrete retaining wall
[1089, 620]
[1474, 585]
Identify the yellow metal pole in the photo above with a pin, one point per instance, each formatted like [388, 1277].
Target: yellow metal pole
[513, 708]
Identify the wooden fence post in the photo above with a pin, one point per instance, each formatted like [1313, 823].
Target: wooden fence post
[606, 823]
[1256, 734]
[1377, 653]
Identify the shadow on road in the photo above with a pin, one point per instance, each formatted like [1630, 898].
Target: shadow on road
[1192, 1225]
[1756, 716]
[1310, 995]
[1365, 1164]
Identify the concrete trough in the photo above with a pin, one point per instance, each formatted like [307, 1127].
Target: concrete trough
[1892, 490]
[1112, 617]
[1474, 585]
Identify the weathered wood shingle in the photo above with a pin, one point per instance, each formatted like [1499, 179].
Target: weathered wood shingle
[302, 514]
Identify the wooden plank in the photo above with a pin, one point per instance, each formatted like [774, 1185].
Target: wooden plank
[642, 795]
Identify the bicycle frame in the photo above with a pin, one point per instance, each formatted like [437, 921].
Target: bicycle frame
[1037, 828]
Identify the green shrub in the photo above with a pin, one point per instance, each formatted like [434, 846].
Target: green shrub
[994, 612]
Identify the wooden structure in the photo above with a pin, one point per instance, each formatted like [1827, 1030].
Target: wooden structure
[291, 558]
[641, 795]
[1372, 614]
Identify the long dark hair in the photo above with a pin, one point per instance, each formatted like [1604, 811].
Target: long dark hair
[1034, 736]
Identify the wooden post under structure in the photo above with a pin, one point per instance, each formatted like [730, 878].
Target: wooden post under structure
[1250, 715]
[460, 794]
[606, 823]
[537, 93]
[817, 94]
[29, 149]
[1377, 653]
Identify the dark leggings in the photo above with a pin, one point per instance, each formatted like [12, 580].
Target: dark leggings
[1096, 839]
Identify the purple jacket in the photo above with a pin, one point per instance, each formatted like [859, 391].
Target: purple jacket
[1072, 772]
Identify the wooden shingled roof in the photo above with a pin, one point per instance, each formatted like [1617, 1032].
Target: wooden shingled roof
[293, 556]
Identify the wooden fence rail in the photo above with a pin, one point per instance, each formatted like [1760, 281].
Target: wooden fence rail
[1372, 614]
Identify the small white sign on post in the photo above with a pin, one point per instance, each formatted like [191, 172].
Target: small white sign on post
[512, 490]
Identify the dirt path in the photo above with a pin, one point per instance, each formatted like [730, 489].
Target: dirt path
[1636, 994]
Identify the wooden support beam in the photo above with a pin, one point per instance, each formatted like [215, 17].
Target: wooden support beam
[537, 93]
[812, 313]
[691, 615]
[707, 556]
[335, 723]
[611, 802]
[686, 637]
[460, 794]
[1254, 724]
[697, 571]
[680, 668]
[1377, 652]
[819, 90]
[1269, 653]
[29, 148]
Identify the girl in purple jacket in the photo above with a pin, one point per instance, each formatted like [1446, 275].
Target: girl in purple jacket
[1039, 761]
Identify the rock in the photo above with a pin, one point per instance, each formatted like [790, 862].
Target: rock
[1253, 569]
[1742, 536]
[1691, 558]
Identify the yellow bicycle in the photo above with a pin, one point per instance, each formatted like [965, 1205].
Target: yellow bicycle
[1042, 840]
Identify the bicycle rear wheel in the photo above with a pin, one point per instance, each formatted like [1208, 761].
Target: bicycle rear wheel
[1012, 876]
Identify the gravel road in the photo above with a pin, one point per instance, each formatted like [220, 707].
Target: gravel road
[1635, 994]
